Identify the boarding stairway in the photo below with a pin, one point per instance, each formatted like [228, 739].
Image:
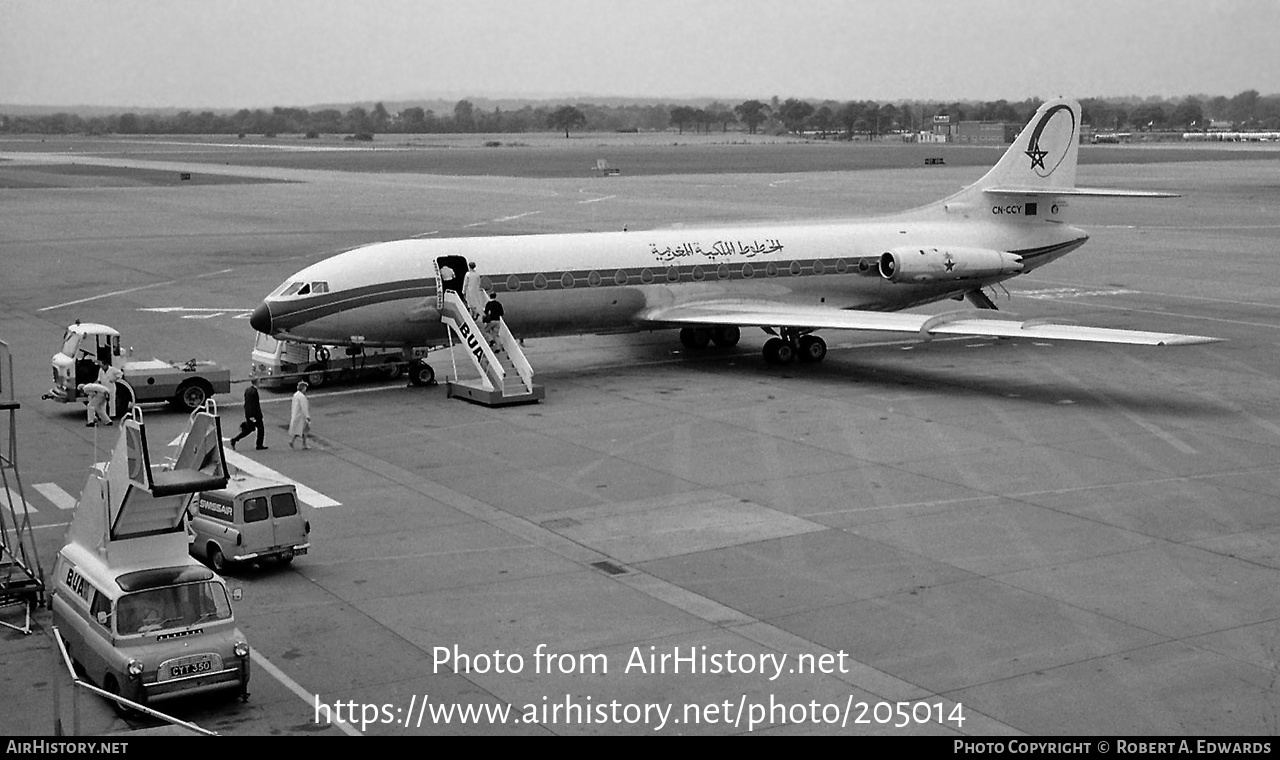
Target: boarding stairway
[21, 577]
[505, 374]
[135, 506]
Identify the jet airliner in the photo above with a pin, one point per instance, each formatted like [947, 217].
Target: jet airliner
[789, 279]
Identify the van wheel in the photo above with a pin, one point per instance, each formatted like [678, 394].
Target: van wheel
[112, 686]
[286, 558]
[315, 376]
[217, 560]
[124, 399]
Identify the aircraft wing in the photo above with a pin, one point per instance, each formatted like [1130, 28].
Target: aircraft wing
[966, 322]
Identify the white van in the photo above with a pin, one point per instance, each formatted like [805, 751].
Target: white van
[249, 520]
[148, 633]
[138, 615]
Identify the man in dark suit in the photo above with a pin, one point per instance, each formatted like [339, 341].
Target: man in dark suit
[252, 416]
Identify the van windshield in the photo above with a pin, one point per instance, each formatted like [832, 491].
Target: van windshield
[160, 609]
[265, 343]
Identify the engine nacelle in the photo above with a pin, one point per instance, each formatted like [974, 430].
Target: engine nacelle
[927, 265]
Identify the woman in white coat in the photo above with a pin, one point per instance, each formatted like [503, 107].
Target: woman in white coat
[300, 416]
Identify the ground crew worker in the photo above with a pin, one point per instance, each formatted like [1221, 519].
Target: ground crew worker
[97, 411]
[108, 376]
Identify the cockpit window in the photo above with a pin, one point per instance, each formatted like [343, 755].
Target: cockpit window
[300, 289]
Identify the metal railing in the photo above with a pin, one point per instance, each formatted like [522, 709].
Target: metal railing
[79, 683]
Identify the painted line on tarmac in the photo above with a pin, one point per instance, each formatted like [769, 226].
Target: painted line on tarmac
[311, 699]
[517, 216]
[54, 493]
[312, 497]
[20, 504]
[107, 295]
[309, 495]
[597, 200]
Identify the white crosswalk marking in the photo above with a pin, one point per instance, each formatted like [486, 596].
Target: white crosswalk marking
[54, 493]
[241, 462]
[19, 505]
[316, 499]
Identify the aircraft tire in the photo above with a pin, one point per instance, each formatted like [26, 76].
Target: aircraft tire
[726, 337]
[778, 351]
[812, 349]
[695, 337]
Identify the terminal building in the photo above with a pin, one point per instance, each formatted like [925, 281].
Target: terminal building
[945, 130]
[999, 132]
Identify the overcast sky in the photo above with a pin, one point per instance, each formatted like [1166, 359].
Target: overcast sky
[262, 53]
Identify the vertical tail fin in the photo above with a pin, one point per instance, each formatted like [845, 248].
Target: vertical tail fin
[1043, 156]
[1039, 165]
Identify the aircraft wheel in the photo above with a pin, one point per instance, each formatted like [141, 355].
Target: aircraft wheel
[695, 337]
[812, 349]
[726, 337]
[392, 368]
[778, 351]
[421, 373]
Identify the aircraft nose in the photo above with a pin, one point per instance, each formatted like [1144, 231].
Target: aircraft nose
[260, 320]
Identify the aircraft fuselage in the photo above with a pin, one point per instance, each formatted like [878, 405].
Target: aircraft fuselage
[386, 293]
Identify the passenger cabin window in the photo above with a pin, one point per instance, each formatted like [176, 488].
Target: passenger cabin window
[283, 505]
[255, 509]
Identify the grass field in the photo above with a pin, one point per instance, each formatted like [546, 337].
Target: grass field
[552, 156]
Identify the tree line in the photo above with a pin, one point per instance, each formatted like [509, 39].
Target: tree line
[1246, 110]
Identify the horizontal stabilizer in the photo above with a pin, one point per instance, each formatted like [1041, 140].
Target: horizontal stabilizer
[1100, 192]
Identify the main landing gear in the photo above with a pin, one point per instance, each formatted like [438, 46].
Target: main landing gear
[701, 337]
[791, 345]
